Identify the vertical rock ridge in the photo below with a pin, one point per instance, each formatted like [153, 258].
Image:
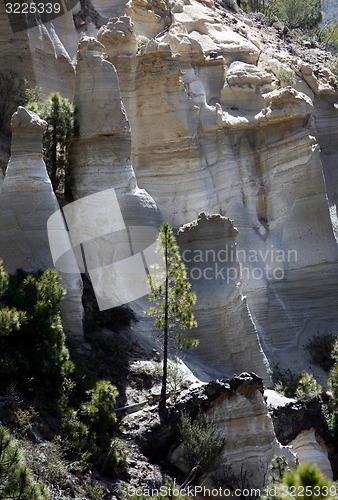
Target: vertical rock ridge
[27, 201]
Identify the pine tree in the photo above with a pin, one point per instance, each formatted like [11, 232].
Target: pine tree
[58, 112]
[33, 348]
[306, 481]
[16, 481]
[172, 301]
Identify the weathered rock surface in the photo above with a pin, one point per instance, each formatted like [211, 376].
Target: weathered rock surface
[308, 449]
[226, 119]
[302, 425]
[102, 161]
[41, 54]
[238, 409]
[27, 201]
[217, 128]
[208, 250]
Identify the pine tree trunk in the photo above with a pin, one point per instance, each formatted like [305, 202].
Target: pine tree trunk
[54, 155]
[163, 398]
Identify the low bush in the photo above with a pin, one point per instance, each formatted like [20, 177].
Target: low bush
[33, 352]
[306, 481]
[302, 385]
[303, 14]
[333, 65]
[332, 407]
[16, 480]
[320, 348]
[91, 431]
[201, 443]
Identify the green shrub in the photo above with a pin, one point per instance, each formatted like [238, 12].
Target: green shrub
[303, 14]
[285, 381]
[278, 468]
[201, 442]
[332, 408]
[175, 378]
[303, 385]
[329, 36]
[16, 481]
[33, 352]
[24, 418]
[320, 348]
[285, 76]
[101, 420]
[333, 65]
[99, 409]
[77, 435]
[91, 431]
[307, 386]
[306, 481]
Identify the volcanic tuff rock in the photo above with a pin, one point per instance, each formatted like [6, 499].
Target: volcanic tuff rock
[216, 129]
[221, 309]
[308, 449]
[27, 201]
[302, 425]
[102, 160]
[225, 119]
[42, 54]
[238, 409]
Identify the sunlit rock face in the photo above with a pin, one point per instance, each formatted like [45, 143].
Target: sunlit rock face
[301, 425]
[190, 106]
[27, 201]
[326, 121]
[227, 336]
[102, 149]
[41, 54]
[102, 161]
[308, 449]
[214, 131]
[239, 412]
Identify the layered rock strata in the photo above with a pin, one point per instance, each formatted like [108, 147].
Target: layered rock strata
[302, 426]
[308, 449]
[41, 54]
[27, 201]
[102, 162]
[237, 408]
[216, 128]
[208, 249]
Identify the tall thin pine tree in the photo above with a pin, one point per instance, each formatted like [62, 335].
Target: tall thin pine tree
[172, 301]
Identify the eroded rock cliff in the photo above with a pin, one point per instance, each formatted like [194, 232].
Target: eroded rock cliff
[216, 129]
[27, 201]
[196, 115]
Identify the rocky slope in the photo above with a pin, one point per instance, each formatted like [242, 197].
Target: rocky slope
[196, 114]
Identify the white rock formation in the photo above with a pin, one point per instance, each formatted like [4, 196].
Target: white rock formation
[27, 201]
[41, 54]
[214, 131]
[307, 449]
[243, 423]
[227, 336]
[102, 161]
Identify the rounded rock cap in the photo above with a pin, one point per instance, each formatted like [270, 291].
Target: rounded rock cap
[24, 118]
